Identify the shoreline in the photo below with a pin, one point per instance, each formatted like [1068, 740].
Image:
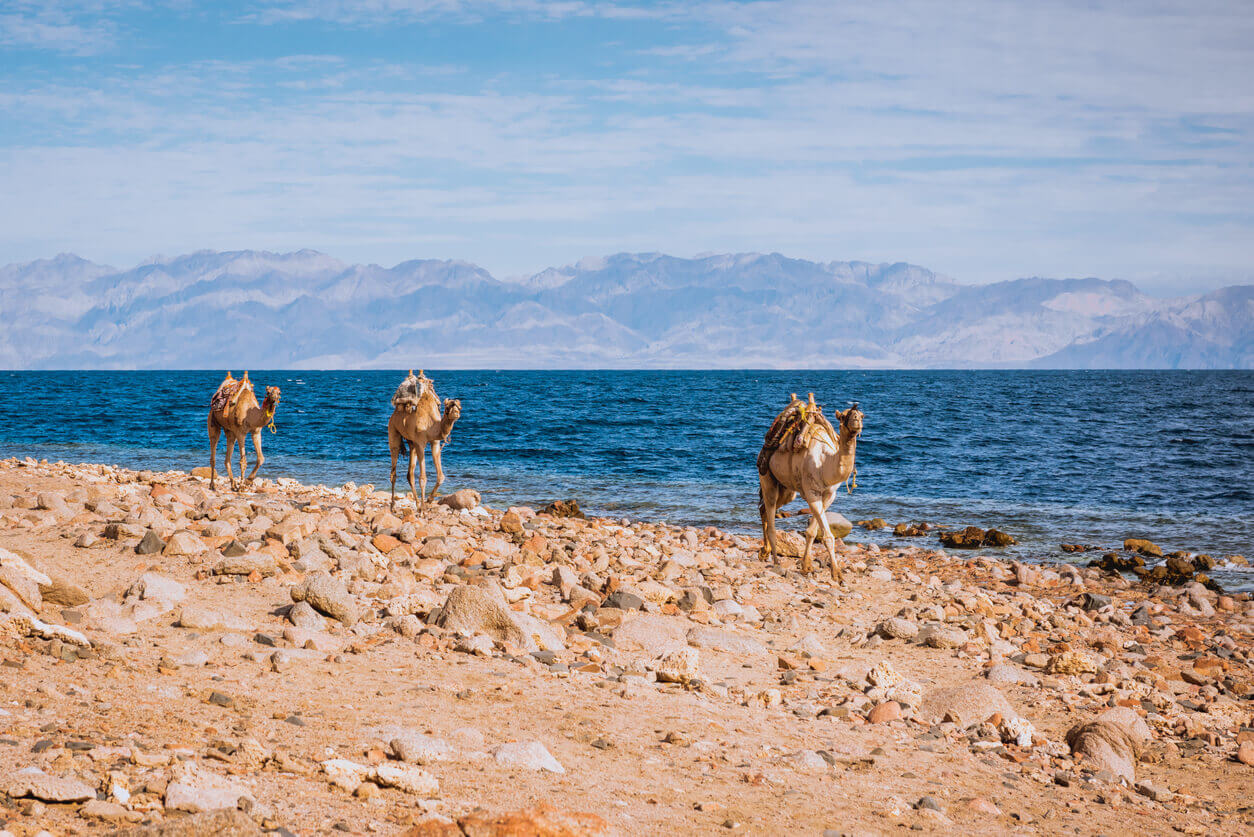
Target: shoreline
[638, 675]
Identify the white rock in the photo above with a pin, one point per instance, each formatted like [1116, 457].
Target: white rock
[411, 780]
[529, 754]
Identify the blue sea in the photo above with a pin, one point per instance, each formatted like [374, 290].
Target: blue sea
[1050, 456]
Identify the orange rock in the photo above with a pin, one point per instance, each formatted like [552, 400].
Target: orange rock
[1210, 666]
[889, 710]
[1245, 753]
[539, 821]
[385, 543]
[818, 664]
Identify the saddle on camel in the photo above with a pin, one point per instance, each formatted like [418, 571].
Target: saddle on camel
[409, 394]
[234, 410]
[795, 428]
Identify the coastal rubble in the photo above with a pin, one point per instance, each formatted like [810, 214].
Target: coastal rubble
[304, 657]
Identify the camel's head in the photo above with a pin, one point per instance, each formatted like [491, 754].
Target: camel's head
[273, 395]
[452, 409]
[851, 420]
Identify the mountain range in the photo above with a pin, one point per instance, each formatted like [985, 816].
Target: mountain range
[307, 310]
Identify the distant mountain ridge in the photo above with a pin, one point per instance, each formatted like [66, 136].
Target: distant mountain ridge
[308, 310]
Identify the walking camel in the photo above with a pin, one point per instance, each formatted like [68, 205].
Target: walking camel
[814, 466]
[417, 422]
[234, 410]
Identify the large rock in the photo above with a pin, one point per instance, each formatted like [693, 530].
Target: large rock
[60, 591]
[682, 665]
[653, 634]
[194, 790]
[404, 777]
[184, 543]
[150, 544]
[529, 754]
[22, 586]
[1105, 745]
[262, 563]
[1143, 547]
[541, 821]
[328, 595]
[151, 586]
[466, 498]
[544, 636]
[33, 783]
[839, 524]
[728, 641]
[940, 635]
[224, 822]
[471, 610]
[965, 705]
[201, 618]
[417, 748]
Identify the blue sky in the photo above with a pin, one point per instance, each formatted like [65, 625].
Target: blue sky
[985, 140]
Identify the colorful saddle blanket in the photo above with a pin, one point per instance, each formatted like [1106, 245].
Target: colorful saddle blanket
[228, 393]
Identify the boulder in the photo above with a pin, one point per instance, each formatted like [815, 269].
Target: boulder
[33, 783]
[563, 508]
[896, 627]
[471, 610]
[682, 665]
[328, 595]
[416, 748]
[262, 563]
[839, 524]
[730, 642]
[22, 586]
[194, 789]
[403, 777]
[224, 822]
[184, 543]
[154, 587]
[940, 635]
[150, 544]
[651, 634]
[466, 498]
[531, 755]
[1105, 745]
[60, 591]
[1143, 547]
[972, 537]
[539, 820]
[966, 705]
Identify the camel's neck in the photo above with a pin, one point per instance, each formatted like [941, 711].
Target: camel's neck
[446, 425]
[259, 416]
[842, 462]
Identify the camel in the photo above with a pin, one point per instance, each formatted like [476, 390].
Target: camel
[418, 427]
[814, 471]
[234, 410]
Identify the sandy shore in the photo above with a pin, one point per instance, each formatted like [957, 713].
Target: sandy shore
[308, 661]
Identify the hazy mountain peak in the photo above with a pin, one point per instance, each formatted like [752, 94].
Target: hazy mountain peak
[252, 307]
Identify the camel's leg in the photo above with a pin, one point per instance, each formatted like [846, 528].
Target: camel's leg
[230, 452]
[257, 450]
[812, 530]
[395, 444]
[815, 500]
[439, 469]
[421, 453]
[768, 503]
[243, 460]
[213, 451]
[413, 461]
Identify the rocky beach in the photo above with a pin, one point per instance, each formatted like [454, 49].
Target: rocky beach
[298, 659]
